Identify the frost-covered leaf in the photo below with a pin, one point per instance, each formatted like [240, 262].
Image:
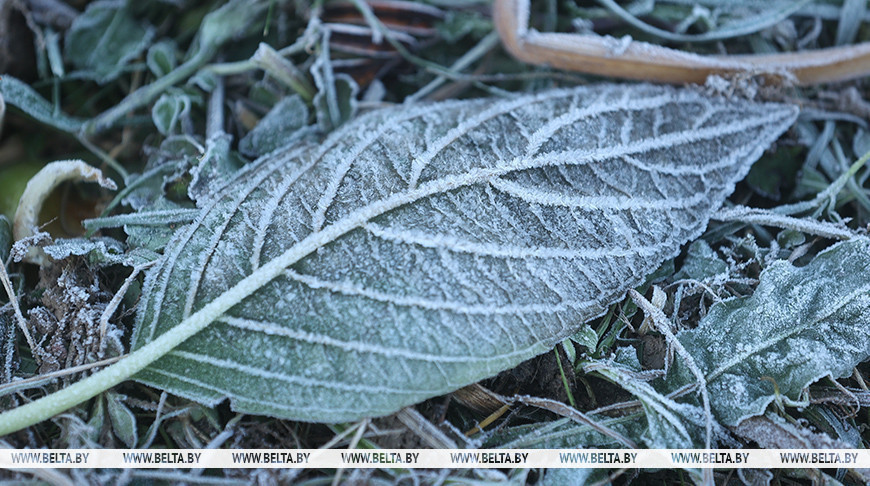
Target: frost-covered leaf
[586, 336]
[422, 248]
[147, 233]
[283, 124]
[178, 216]
[231, 20]
[123, 420]
[169, 163]
[790, 238]
[104, 248]
[104, 38]
[168, 111]
[669, 423]
[161, 58]
[701, 263]
[215, 167]
[335, 101]
[23, 97]
[800, 325]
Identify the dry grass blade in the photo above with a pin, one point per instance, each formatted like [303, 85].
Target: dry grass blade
[625, 58]
[663, 326]
[19, 318]
[424, 429]
[37, 380]
[572, 413]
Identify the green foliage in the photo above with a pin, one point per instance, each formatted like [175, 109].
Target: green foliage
[161, 58]
[800, 325]
[382, 202]
[26, 99]
[123, 420]
[184, 96]
[104, 38]
[282, 125]
[169, 110]
[701, 263]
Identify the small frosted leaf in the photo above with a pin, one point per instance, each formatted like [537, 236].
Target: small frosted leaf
[284, 123]
[64, 248]
[422, 248]
[800, 325]
[123, 420]
[161, 58]
[701, 263]
[104, 38]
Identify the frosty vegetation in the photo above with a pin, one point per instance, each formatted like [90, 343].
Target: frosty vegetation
[421, 249]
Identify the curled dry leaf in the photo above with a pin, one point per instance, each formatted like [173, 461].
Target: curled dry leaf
[38, 189]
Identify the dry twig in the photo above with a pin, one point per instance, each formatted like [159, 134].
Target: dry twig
[626, 58]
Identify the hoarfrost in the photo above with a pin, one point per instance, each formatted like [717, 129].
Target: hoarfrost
[800, 325]
[419, 249]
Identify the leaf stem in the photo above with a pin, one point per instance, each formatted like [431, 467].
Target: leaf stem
[145, 94]
[50, 405]
[829, 193]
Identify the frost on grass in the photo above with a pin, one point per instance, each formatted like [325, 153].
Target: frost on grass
[800, 325]
[420, 249]
[66, 325]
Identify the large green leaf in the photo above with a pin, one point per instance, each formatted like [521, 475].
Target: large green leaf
[422, 248]
[800, 325]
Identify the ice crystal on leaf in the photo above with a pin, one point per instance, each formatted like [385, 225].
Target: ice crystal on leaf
[422, 248]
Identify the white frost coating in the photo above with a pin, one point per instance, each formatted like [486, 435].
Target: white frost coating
[218, 363]
[593, 203]
[547, 268]
[509, 251]
[769, 218]
[357, 291]
[274, 329]
[748, 349]
[349, 159]
[420, 162]
[217, 232]
[800, 325]
[429, 279]
[220, 393]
